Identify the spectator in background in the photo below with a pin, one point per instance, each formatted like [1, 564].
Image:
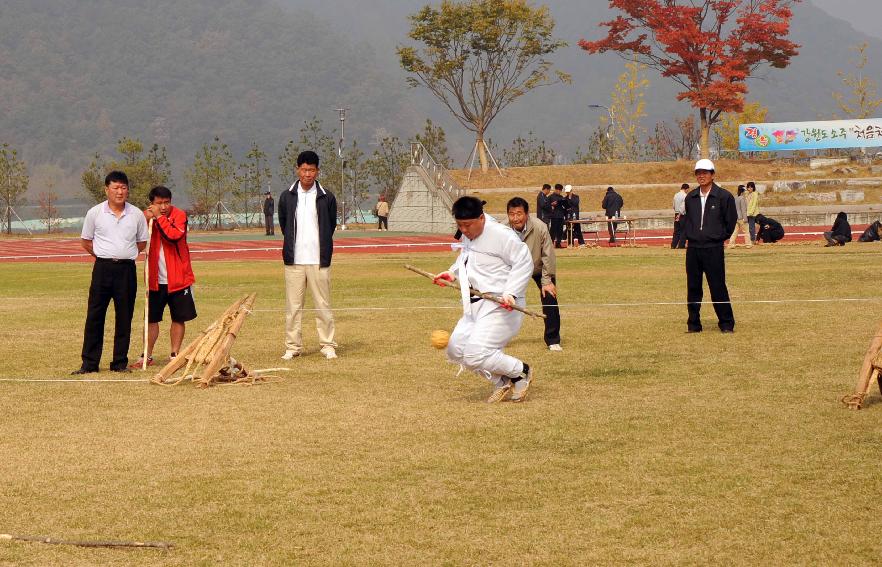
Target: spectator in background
[741, 223]
[171, 274]
[114, 232]
[382, 212]
[559, 207]
[612, 205]
[871, 234]
[679, 238]
[535, 235]
[770, 230]
[542, 203]
[841, 231]
[269, 208]
[573, 214]
[709, 220]
[752, 209]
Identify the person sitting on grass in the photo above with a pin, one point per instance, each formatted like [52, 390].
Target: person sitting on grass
[871, 234]
[841, 231]
[769, 231]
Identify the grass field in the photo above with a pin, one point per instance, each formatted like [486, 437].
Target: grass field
[638, 444]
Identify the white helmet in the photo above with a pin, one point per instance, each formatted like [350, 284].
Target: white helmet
[568, 188]
[704, 164]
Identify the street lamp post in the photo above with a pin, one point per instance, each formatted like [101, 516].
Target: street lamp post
[612, 120]
[342, 112]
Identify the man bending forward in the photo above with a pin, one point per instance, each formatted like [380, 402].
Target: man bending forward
[494, 260]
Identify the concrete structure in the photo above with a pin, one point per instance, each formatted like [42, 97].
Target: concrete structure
[425, 198]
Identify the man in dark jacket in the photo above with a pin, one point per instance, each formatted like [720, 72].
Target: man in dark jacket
[308, 218]
[612, 205]
[573, 214]
[710, 219]
[841, 231]
[542, 203]
[559, 208]
[269, 206]
[770, 230]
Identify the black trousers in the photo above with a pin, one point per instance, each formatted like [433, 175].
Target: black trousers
[611, 228]
[383, 222]
[577, 233]
[551, 311]
[707, 263]
[557, 232]
[270, 225]
[115, 281]
[679, 238]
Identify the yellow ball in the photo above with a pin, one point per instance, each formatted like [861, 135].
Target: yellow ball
[439, 338]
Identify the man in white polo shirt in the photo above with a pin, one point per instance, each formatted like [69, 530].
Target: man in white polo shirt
[114, 232]
[308, 218]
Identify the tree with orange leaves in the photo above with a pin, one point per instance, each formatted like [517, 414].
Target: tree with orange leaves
[710, 47]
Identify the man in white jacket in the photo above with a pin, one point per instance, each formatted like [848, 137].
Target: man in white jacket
[493, 260]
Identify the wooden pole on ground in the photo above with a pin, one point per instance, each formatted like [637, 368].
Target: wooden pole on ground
[476, 293]
[221, 354]
[867, 373]
[181, 359]
[40, 539]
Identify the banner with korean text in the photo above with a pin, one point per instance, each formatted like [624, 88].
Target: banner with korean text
[781, 136]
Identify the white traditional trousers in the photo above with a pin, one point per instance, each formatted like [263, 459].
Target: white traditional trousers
[318, 280]
[478, 339]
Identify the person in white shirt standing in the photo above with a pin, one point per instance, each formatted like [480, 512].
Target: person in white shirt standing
[308, 218]
[114, 232]
[493, 260]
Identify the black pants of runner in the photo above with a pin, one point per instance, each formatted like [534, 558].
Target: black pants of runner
[557, 232]
[382, 222]
[270, 225]
[117, 281]
[707, 263]
[551, 311]
[679, 238]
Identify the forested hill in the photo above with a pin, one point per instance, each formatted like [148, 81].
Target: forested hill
[77, 75]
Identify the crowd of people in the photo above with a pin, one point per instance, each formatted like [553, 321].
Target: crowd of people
[496, 257]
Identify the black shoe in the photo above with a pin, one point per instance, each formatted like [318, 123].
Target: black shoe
[123, 370]
[693, 330]
[727, 330]
[82, 370]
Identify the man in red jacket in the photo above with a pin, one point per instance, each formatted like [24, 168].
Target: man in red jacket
[170, 272]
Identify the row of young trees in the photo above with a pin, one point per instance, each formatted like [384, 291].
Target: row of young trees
[218, 183]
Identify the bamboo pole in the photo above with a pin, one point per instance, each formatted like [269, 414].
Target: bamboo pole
[477, 293]
[867, 373]
[220, 354]
[181, 359]
[49, 540]
[147, 291]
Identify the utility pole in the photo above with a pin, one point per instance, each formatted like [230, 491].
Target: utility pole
[342, 112]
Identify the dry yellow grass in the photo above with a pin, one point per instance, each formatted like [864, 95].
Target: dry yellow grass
[639, 443]
[633, 173]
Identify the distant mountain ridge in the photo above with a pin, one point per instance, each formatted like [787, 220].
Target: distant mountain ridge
[77, 75]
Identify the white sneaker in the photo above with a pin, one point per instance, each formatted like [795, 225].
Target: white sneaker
[519, 391]
[555, 348]
[329, 352]
[289, 354]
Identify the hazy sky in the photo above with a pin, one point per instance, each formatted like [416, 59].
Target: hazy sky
[864, 15]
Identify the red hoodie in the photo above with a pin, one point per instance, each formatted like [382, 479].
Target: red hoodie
[171, 232]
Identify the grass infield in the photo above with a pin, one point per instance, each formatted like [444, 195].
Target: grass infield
[638, 443]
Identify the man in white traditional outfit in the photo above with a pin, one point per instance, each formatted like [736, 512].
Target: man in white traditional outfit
[493, 260]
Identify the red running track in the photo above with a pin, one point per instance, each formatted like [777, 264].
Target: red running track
[69, 249]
